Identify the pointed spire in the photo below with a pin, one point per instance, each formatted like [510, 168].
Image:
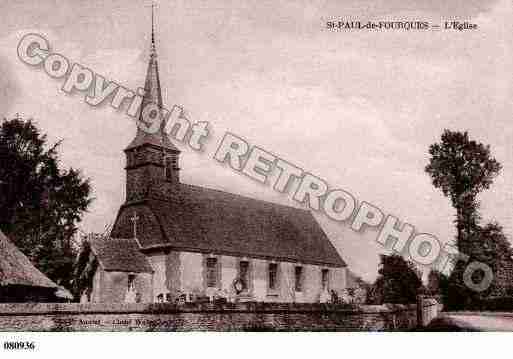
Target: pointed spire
[152, 94]
[152, 83]
[153, 50]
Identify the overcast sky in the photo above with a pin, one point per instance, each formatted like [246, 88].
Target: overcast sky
[357, 108]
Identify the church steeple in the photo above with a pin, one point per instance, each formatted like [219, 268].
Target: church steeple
[152, 84]
[152, 160]
[152, 94]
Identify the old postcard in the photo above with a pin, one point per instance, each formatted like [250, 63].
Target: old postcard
[235, 166]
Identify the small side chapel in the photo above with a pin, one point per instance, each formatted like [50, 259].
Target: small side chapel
[173, 241]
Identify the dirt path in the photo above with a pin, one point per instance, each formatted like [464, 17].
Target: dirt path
[473, 322]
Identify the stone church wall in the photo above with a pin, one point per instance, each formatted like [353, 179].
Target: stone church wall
[185, 272]
[158, 263]
[97, 287]
[191, 272]
[228, 272]
[260, 284]
[111, 287]
[338, 279]
[167, 277]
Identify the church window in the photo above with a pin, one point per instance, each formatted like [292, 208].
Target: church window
[325, 277]
[131, 282]
[169, 164]
[298, 279]
[244, 275]
[212, 272]
[273, 276]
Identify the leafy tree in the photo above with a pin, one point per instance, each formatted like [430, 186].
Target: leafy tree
[398, 281]
[462, 168]
[40, 202]
[486, 245]
[498, 254]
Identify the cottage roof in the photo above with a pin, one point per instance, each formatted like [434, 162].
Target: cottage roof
[16, 268]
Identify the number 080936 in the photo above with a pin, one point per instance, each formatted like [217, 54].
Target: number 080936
[19, 345]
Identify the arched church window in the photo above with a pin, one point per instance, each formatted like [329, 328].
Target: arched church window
[211, 273]
[168, 163]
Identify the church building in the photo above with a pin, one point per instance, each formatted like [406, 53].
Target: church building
[173, 241]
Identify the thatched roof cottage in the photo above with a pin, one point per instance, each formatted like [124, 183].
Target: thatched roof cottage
[21, 281]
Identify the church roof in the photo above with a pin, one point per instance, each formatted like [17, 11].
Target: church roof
[16, 268]
[120, 255]
[211, 221]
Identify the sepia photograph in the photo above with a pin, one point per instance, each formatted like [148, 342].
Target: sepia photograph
[342, 167]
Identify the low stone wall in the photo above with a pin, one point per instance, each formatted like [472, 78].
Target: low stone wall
[206, 317]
